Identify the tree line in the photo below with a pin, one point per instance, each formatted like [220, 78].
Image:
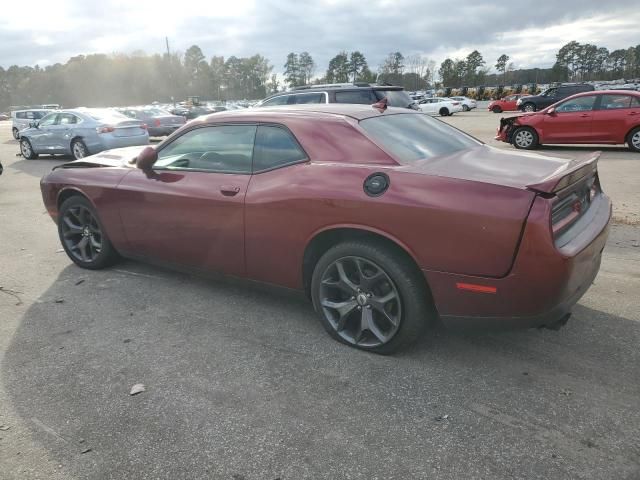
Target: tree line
[119, 79]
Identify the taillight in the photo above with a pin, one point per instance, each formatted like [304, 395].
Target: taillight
[143, 126]
[157, 122]
[572, 205]
[105, 129]
[456, 103]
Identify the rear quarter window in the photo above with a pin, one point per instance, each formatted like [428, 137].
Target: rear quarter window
[412, 137]
[275, 147]
[365, 97]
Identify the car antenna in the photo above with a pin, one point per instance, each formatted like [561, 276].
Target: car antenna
[381, 105]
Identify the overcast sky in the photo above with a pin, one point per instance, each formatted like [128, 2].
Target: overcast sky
[529, 31]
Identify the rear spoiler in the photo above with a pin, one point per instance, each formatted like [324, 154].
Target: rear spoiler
[567, 175]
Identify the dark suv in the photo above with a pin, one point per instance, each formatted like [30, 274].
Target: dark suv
[551, 96]
[363, 93]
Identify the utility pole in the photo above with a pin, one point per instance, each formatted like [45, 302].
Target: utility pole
[166, 39]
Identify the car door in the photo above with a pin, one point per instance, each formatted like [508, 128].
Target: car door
[570, 122]
[190, 209]
[41, 136]
[60, 132]
[274, 189]
[614, 116]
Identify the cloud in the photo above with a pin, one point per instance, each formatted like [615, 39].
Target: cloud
[58, 30]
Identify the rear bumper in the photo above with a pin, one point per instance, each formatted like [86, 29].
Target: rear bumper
[544, 284]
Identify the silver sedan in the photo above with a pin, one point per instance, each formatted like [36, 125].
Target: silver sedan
[81, 132]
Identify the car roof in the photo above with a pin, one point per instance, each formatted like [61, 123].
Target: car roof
[355, 111]
[606, 92]
[337, 88]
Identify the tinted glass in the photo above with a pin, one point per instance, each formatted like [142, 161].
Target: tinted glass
[580, 104]
[411, 137]
[309, 98]
[281, 100]
[21, 114]
[395, 98]
[48, 120]
[356, 96]
[38, 114]
[613, 102]
[225, 149]
[635, 102]
[275, 147]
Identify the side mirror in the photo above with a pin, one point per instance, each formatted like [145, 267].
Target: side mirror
[146, 158]
[551, 111]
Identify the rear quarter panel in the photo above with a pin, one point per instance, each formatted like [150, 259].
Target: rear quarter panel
[446, 224]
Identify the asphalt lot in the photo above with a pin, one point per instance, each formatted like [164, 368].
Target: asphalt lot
[243, 383]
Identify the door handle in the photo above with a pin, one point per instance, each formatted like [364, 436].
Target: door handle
[634, 113]
[585, 115]
[229, 190]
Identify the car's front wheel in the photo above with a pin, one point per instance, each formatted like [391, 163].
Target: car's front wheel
[633, 140]
[465, 108]
[370, 296]
[525, 138]
[496, 109]
[27, 150]
[528, 107]
[444, 112]
[16, 133]
[82, 235]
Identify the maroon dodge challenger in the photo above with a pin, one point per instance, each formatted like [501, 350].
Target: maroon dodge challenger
[388, 219]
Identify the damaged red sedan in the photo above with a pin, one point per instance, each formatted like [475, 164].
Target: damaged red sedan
[388, 219]
[604, 117]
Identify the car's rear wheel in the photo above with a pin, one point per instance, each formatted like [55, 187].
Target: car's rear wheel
[16, 133]
[82, 235]
[444, 112]
[496, 109]
[370, 296]
[528, 107]
[633, 140]
[525, 138]
[79, 149]
[27, 150]
[465, 108]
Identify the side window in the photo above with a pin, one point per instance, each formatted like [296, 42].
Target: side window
[613, 102]
[67, 119]
[223, 149]
[308, 98]
[281, 100]
[580, 104]
[48, 120]
[21, 115]
[356, 96]
[275, 147]
[30, 115]
[635, 102]
[553, 92]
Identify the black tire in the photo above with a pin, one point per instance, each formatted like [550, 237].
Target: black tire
[79, 149]
[16, 133]
[525, 138]
[84, 227]
[633, 140]
[465, 108]
[529, 107]
[411, 303]
[27, 150]
[444, 112]
[496, 109]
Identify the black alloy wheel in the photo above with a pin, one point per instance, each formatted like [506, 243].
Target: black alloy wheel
[371, 296]
[82, 235]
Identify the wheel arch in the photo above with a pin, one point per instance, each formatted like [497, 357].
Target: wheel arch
[69, 192]
[323, 239]
[626, 135]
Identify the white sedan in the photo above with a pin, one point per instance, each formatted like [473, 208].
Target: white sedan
[442, 106]
[467, 103]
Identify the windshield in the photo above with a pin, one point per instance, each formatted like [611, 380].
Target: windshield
[410, 137]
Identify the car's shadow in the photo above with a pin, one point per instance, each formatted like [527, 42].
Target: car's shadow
[231, 368]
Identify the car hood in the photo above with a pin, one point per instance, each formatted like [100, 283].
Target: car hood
[118, 157]
[486, 164]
